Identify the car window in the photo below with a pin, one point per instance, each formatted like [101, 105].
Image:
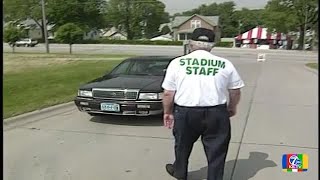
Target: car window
[122, 68]
[145, 67]
[139, 67]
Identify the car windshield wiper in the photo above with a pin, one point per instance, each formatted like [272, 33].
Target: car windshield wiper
[142, 74]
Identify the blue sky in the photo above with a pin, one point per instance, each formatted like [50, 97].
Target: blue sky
[174, 6]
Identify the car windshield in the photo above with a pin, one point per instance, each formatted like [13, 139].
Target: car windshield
[142, 67]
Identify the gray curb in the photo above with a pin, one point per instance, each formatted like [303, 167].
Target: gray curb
[312, 70]
[14, 119]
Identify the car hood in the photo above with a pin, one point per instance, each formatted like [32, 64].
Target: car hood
[143, 83]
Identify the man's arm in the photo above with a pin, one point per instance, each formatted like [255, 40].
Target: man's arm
[234, 98]
[169, 86]
[234, 85]
[167, 101]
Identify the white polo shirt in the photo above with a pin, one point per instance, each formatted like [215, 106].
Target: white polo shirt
[201, 79]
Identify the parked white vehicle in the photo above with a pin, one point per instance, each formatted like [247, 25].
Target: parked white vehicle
[26, 42]
[263, 47]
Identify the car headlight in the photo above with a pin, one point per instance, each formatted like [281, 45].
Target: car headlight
[150, 96]
[84, 93]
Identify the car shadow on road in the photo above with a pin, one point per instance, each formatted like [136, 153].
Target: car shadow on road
[245, 168]
[129, 120]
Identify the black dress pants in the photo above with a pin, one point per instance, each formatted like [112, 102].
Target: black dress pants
[213, 125]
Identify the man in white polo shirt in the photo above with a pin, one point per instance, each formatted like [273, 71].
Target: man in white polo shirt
[201, 93]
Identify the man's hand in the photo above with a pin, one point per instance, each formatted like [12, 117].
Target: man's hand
[168, 120]
[167, 102]
[232, 111]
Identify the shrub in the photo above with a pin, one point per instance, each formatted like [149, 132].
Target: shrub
[138, 42]
[224, 44]
[12, 34]
[69, 33]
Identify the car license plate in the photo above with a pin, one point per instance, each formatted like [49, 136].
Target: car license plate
[110, 107]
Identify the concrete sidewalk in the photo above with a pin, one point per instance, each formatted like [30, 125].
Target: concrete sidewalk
[283, 119]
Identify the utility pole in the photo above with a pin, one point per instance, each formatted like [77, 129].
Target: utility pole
[45, 25]
[305, 29]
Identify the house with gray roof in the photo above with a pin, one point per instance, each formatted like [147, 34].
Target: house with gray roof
[34, 30]
[183, 26]
[114, 33]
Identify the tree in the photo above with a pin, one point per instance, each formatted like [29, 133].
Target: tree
[165, 30]
[316, 36]
[12, 33]
[70, 34]
[291, 15]
[86, 13]
[246, 19]
[137, 18]
[19, 10]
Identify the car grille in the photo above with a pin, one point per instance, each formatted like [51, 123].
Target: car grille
[128, 94]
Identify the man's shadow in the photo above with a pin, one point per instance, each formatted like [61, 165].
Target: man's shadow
[155, 120]
[245, 168]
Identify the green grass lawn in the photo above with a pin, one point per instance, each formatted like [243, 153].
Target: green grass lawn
[313, 65]
[35, 81]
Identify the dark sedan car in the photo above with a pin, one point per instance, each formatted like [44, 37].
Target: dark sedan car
[131, 88]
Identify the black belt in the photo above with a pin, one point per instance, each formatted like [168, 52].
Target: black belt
[202, 107]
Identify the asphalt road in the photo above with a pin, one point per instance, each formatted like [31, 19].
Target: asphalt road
[278, 114]
[142, 50]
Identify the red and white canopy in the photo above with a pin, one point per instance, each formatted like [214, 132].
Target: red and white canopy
[261, 33]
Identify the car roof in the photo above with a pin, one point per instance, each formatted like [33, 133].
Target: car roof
[155, 58]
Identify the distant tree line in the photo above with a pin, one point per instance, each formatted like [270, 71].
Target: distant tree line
[141, 18]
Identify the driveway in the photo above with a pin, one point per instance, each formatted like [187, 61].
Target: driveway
[278, 114]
